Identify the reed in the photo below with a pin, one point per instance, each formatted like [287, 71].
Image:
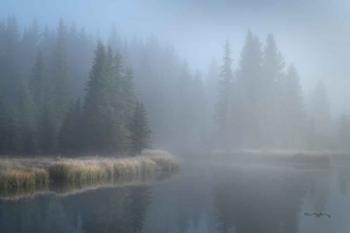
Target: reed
[15, 180]
[27, 175]
[95, 170]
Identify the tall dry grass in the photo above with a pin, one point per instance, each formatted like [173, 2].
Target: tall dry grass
[93, 170]
[16, 178]
[17, 175]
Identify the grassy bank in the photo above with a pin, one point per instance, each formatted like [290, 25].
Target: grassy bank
[28, 175]
[20, 179]
[318, 159]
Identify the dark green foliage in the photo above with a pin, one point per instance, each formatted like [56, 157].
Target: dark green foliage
[7, 130]
[25, 118]
[37, 81]
[70, 135]
[109, 104]
[60, 86]
[46, 133]
[140, 133]
[97, 108]
[39, 71]
[8, 63]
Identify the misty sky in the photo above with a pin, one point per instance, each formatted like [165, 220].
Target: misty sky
[314, 35]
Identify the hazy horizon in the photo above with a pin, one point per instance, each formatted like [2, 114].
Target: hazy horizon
[153, 116]
[310, 35]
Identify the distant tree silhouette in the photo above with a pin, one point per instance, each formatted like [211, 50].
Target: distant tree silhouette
[224, 114]
[320, 118]
[248, 74]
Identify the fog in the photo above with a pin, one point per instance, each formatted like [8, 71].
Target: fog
[175, 51]
[312, 35]
[143, 116]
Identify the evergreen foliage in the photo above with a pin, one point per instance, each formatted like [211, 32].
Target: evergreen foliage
[262, 106]
[140, 133]
[38, 77]
[258, 103]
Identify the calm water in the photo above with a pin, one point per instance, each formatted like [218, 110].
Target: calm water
[203, 197]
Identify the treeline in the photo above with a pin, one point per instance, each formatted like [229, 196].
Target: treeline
[261, 104]
[56, 99]
[63, 91]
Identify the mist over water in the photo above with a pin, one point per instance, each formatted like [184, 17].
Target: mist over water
[248, 98]
[232, 197]
[166, 34]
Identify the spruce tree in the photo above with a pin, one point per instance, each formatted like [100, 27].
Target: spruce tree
[271, 88]
[25, 117]
[140, 132]
[122, 99]
[96, 125]
[8, 63]
[28, 46]
[320, 118]
[272, 63]
[225, 99]
[292, 110]
[70, 135]
[46, 133]
[249, 87]
[61, 94]
[37, 81]
[7, 130]
[108, 103]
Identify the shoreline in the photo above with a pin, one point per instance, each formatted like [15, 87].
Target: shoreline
[27, 175]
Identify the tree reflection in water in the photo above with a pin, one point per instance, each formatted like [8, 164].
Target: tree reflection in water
[240, 199]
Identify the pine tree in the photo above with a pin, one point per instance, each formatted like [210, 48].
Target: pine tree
[292, 110]
[320, 118]
[28, 47]
[104, 104]
[140, 132]
[273, 62]
[96, 105]
[271, 93]
[109, 103]
[46, 133]
[37, 81]
[7, 130]
[25, 118]
[225, 99]
[61, 94]
[70, 137]
[123, 100]
[127, 92]
[8, 62]
[249, 88]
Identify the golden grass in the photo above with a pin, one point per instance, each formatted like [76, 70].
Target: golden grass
[15, 180]
[17, 175]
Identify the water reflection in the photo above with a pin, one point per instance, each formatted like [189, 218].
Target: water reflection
[260, 201]
[240, 199]
[102, 211]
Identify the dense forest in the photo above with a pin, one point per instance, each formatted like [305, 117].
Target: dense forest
[66, 91]
[44, 107]
[261, 104]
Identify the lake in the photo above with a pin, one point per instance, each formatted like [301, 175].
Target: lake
[204, 196]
